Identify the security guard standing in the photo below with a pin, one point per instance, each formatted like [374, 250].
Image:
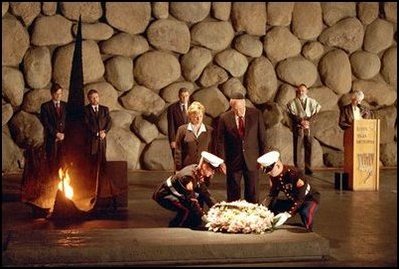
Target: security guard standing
[181, 191]
[301, 197]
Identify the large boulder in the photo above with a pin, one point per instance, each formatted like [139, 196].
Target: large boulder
[123, 145]
[216, 36]
[389, 68]
[12, 84]
[27, 11]
[346, 34]
[12, 155]
[221, 10]
[297, 70]
[335, 71]
[88, 11]
[194, 62]
[119, 72]
[378, 36]
[169, 35]
[37, 67]
[279, 14]
[307, 22]
[281, 44]
[155, 157]
[234, 62]
[15, 42]
[365, 65]
[132, 18]
[125, 45]
[261, 81]
[143, 100]
[51, 30]
[335, 12]
[156, 69]
[93, 66]
[213, 99]
[249, 17]
[27, 130]
[190, 12]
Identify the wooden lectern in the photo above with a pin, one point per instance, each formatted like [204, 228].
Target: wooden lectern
[362, 155]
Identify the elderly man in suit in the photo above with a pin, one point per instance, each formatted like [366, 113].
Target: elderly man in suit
[240, 139]
[177, 116]
[353, 111]
[53, 117]
[302, 110]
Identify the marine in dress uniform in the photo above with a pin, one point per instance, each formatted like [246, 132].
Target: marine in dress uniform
[180, 192]
[301, 197]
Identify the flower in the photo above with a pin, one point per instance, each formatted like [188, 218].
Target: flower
[239, 217]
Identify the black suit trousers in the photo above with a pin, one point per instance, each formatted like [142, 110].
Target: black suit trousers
[251, 185]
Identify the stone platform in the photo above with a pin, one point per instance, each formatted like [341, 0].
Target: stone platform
[159, 247]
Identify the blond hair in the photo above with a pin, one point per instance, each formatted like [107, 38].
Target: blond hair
[196, 107]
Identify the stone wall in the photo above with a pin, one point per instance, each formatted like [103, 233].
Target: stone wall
[138, 55]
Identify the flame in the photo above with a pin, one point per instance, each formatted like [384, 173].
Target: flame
[64, 184]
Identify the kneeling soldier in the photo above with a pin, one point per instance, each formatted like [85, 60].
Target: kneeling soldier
[301, 197]
[180, 192]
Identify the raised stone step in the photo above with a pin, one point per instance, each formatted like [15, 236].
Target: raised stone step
[159, 246]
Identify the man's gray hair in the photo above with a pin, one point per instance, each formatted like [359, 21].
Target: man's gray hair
[358, 94]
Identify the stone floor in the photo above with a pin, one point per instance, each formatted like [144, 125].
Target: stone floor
[361, 227]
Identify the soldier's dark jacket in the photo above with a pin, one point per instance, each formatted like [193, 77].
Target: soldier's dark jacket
[174, 188]
[286, 182]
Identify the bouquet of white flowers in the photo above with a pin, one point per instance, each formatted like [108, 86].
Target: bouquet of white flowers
[239, 217]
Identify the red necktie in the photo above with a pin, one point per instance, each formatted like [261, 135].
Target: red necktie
[241, 127]
[58, 109]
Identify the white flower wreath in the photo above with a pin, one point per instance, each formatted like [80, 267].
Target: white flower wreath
[239, 217]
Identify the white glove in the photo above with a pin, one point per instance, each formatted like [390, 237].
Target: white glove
[279, 219]
[204, 218]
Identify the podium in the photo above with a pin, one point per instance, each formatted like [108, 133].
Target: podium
[361, 155]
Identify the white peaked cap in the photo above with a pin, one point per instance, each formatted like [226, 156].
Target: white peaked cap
[213, 160]
[268, 158]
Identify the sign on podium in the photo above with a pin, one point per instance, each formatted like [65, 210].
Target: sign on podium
[361, 155]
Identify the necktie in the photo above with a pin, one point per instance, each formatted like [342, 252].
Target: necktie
[96, 110]
[241, 127]
[58, 109]
[183, 106]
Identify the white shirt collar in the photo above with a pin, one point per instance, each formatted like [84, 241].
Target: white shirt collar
[201, 129]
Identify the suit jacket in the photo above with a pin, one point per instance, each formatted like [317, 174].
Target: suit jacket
[52, 123]
[232, 148]
[346, 115]
[94, 124]
[189, 147]
[176, 118]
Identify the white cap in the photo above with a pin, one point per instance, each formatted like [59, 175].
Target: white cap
[269, 158]
[213, 160]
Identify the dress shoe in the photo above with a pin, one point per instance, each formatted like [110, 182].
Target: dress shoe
[308, 171]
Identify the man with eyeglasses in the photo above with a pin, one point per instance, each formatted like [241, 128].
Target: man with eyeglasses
[301, 197]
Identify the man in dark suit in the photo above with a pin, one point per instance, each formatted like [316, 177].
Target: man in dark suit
[353, 111]
[98, 123]
[240, 139]
[53, 116]
[177, 116]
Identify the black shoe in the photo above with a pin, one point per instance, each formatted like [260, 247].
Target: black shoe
[308, 171]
